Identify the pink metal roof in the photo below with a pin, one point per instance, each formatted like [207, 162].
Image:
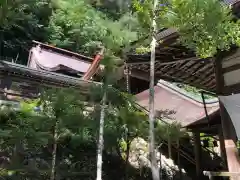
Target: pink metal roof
[49, 60]
[185, 110]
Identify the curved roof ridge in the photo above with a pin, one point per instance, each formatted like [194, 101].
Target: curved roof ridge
[186, 94]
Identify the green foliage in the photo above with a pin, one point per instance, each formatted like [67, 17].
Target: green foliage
[114, 9]
[195, 92]
[76, 25]
[238, 144]
[205, 26]
[144, 10]
[142, 50]
[165, 131]
[82, 28]
[32, 131]
[208, 141]
[21, 22]
[77, 127]
[130, 21]
[66, 107]
[18, 131]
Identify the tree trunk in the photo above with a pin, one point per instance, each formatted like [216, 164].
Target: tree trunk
[127, 157]
[100, 140]
[169, 146]
[179, 160]
[154, 165]
[54, 151]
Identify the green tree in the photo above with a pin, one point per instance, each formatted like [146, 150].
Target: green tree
[28, 131]
[58, 106]
[114, 9]
[204, 26]
[82, 28]
[196, 23]
[19, 137]
[21, 22]
[147, 15]
[154, 164]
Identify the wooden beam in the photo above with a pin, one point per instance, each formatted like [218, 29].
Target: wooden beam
[145, 76]
[222, 147]
[8, 92]
[184, 60]
[229, 142]
[211, 174]
[231, 68]
[232, 89]
[197, 150]
[167, 63]
[139, 74]
[167, 34]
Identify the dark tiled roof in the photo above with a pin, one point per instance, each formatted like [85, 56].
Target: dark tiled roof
[175, 62]
[20, 73]
[231, 2]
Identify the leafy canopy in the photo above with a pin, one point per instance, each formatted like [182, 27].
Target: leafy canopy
[82, 28]
[204, 26]
[20, 22]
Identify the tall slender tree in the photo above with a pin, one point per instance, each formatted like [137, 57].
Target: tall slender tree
[154, 164]
[101, 129]
[100, 137]
[54, 151]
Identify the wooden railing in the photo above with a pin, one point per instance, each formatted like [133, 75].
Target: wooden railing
[231, 175]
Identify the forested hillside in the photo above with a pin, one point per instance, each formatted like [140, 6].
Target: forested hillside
[81, 25]
[76, 25]
[60, 141]
[58, 135]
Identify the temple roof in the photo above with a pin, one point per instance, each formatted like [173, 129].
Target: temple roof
[49, 58]
[171, 104]
[51, 61]
[28, 77]
[175, 62]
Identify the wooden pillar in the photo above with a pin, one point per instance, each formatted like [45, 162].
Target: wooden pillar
[179, 160]
[228, 131]
[197, 150]
[229, 134]
[222, 147]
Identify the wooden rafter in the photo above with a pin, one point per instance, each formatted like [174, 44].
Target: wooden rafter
[172, 61]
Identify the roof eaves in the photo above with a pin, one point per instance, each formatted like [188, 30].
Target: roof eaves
[186, 95]
[231, 2]
[23, 71]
